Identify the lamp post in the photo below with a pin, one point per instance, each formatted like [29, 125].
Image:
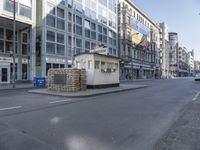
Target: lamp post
[14, 29]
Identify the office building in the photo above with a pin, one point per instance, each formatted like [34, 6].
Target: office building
[139, 42]
[66, 28]
[173, 54]
[24, 41]
[164, 50]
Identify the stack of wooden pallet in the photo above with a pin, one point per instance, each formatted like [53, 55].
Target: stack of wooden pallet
[69, 80]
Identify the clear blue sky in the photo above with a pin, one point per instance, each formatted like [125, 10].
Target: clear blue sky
[181, 16]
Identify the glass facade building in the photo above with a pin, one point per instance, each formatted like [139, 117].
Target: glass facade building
[70, 27]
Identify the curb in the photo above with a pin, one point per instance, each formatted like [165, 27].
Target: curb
[89, 95]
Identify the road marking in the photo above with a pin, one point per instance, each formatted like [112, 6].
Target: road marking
[60, 101]
[10, 108]
[196, 96]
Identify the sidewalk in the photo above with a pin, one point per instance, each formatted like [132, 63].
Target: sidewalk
[184, 134]
[18, 86]
[88, 92]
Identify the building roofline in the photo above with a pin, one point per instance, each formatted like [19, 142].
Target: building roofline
[145, 15]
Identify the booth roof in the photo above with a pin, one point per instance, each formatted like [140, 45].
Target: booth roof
[88, 53]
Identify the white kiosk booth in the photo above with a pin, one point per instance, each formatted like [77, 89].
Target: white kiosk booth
[102, 70]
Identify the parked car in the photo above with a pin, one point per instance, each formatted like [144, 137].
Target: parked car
[197, 77]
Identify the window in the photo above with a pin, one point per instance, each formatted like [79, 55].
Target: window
[78, 30]
[60, 49]
[70, 16]
[110, 33]
[93, 46]
[69, 40]
[103, 65]
[105, 39]
[78, 42]
[78, 20]
[24, 49]
[69, 27]
[93, 35]
[60, 24]
[24, 37]
[114, 52]
[100, 28]
[60, 13]
[1, 33]
[93, 26]
[60, 38]
[51, 36]
[25, 11]
[87, 33]
[50, 21]
[87, 45]
[55, 65]
[110, 41]
[9, 34]
[100, 38]
[110, 51]
[104, 31]
[1, 46]
[24, 71]
[50, 48]
[89, 64]
[9, 47]
[87, 24]
[96, 64]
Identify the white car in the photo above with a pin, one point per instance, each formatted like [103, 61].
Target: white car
[197, 77]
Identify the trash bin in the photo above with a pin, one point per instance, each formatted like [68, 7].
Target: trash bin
[39, 81]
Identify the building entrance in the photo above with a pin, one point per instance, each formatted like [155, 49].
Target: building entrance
[4, 74]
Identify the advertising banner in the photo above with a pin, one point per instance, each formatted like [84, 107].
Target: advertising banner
[139, 27]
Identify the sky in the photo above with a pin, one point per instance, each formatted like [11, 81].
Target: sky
[181, 16]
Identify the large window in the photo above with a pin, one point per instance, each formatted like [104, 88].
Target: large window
[60, 12]
[60, 24]
[51, 36]
[25, 11]
[51, 20]
[1, 33]
[50, 48]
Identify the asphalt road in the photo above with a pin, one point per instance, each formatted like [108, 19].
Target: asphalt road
[133, 120]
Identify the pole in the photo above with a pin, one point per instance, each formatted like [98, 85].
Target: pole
[14, 29]
[72, 54]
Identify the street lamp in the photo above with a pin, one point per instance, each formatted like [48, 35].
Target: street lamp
[14, 29]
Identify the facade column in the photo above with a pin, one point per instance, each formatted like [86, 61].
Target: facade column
[19, 60]
[32, 60]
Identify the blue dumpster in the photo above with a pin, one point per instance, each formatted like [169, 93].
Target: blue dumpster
[39, 81]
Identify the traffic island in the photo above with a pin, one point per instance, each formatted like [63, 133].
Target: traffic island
[88, 92]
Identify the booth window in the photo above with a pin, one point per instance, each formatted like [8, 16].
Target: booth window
[89, 64]
[103, 65]
[96, 65]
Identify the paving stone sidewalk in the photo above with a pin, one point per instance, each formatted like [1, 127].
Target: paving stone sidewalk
[184, 134]
[18, 86]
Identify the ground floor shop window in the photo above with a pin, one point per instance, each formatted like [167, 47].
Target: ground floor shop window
[24, 71]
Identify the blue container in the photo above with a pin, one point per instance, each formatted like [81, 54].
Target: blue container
[39, 81]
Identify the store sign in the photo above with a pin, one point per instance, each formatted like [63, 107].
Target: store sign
[6, 59]
[55, 60]
[139, 27]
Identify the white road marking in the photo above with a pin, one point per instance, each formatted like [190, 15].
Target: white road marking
[60, 101]
[196, 96]
[10, 108]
